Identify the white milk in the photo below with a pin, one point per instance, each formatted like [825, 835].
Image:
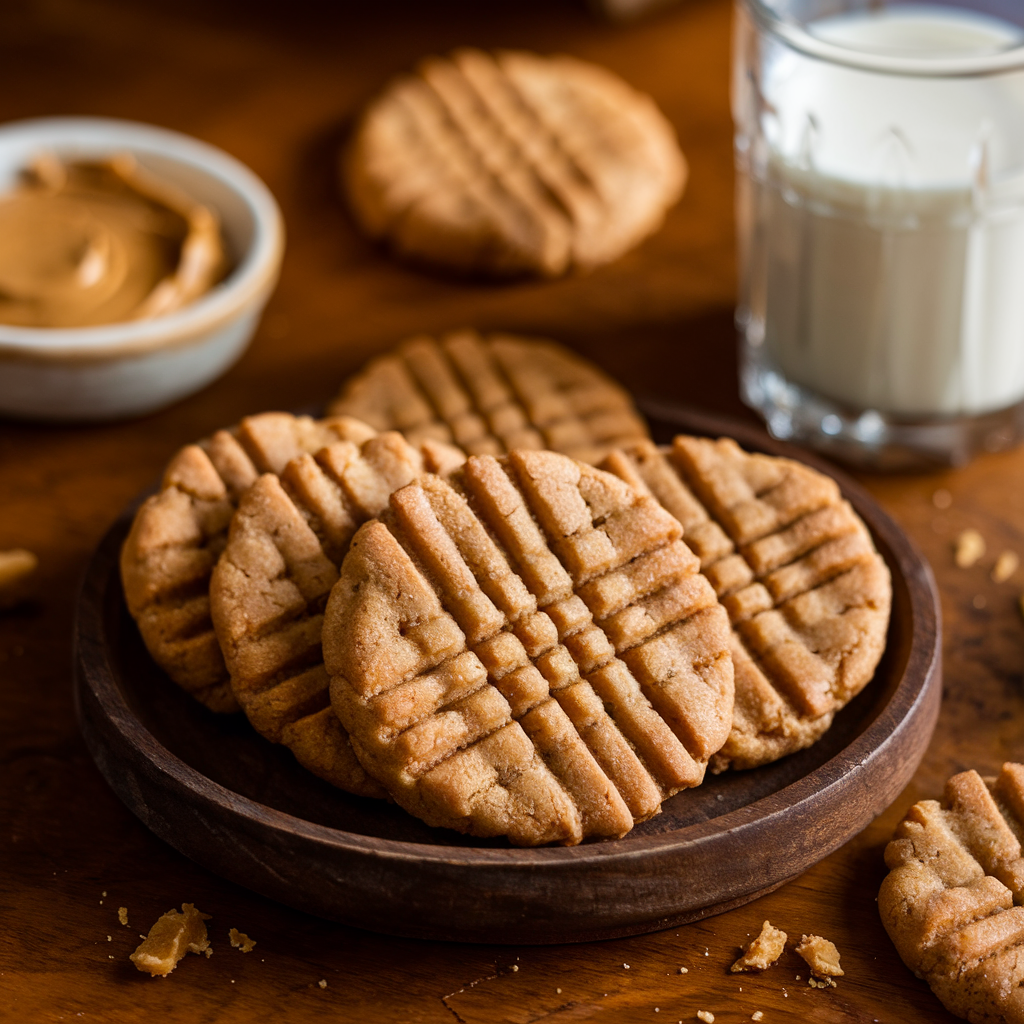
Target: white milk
[887, 244]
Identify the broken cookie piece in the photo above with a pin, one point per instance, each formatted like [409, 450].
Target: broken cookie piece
[766, 948]
[823, 959]
[170, 939]
[241, 941]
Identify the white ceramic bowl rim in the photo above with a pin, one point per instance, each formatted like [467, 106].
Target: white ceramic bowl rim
[250, 274]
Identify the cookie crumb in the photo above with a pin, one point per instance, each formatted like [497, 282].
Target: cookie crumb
[16, 567]
[1006, 565]
[765, 949]
[757, 1015]
[823, 959]
[942, 499]
[626, 966]
[170, 938]
[322, 983]
[514, 968]
[684, 970]
[706, 1015]
[109, 939]
[122, 915]
[241, 941]
[558, 991]
[970, 546]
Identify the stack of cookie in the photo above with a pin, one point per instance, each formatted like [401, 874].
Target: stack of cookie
[435, 595]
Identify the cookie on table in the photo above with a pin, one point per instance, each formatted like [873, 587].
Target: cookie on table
[492, 393]
[178, 534]
[807, 594]
[270, 585]
[528, 650]
[511, 164]
[951, 902]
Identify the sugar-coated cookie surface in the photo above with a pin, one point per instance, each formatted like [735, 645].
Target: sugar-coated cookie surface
[528, 651]
[178, 534]
[512, 164]
[268, 590]
[808, 596]
[951, 902]
[491, 393]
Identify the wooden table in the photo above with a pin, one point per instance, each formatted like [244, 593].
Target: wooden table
[277, 85]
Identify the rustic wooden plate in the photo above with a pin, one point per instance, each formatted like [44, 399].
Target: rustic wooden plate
[212, 788]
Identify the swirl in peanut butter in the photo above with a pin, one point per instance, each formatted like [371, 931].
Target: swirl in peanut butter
[102, 241]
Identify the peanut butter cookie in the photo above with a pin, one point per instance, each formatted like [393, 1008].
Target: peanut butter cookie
[270, 585]
[512, 164]
[178, 534]
[528, 651]
[951, 900]
[807, 594]
[491, 394]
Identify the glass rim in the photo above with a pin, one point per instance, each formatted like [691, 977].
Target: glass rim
[794, 34]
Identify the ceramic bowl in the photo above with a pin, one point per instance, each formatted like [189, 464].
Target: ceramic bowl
[125, 369]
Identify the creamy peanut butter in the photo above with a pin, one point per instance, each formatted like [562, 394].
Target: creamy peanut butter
[98, 242]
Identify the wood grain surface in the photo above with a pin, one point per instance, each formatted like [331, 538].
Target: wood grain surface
[277, 85]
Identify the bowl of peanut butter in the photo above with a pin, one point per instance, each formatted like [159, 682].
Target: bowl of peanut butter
[135, 263]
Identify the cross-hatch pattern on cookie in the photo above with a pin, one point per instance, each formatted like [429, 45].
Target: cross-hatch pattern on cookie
[793, 565]
[951, 901]
[512, 164]
[270, 586]
[178, 534]
[491, 394]
[528, 651]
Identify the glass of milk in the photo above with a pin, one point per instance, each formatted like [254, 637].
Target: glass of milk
[880, 207]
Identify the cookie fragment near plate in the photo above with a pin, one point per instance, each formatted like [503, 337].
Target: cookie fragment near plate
[951, 902]
[270, 585]
[488, 394]
[528, 651]
[808, 596]
[512, 164]
[178, 533]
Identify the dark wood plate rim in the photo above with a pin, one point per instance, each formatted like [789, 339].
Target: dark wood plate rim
[917, 690]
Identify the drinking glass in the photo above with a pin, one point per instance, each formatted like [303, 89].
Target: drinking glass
[880, 211]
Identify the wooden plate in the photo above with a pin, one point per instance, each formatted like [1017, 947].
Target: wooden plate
[212, 788]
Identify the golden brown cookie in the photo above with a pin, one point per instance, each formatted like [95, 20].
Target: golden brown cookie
[951, 900]
[178, 534]
[528, 651]
[490, 394]
[270, 585]
[806, 592]
[512, 164]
